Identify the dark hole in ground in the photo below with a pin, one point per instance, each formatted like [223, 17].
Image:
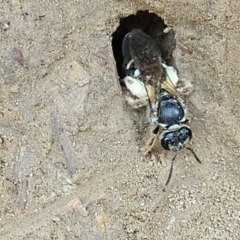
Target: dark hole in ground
[151, 24]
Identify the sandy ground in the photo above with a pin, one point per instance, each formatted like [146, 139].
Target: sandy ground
[70, 163]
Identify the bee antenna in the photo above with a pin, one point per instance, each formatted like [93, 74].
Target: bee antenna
[171, 169]
[194, 154]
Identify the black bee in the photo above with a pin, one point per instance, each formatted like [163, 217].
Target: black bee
[153, 84]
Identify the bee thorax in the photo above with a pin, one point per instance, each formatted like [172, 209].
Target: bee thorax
[170, 111]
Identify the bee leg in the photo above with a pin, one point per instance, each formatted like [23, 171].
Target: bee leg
[129, 64]
[137, 103]
[151, 114]
[150, 144]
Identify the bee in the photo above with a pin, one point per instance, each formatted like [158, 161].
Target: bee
[153, 85]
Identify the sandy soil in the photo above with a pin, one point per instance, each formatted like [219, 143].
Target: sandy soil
[70, 163]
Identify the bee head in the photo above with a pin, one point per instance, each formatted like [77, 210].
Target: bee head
[176, 137]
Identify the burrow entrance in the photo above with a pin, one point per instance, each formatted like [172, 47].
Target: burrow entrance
[151, 24]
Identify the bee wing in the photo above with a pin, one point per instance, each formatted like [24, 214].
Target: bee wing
[127, 58]
[141, 52]
[171, 80]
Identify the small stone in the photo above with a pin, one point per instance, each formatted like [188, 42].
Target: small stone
[5, 26]
[56, 219]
